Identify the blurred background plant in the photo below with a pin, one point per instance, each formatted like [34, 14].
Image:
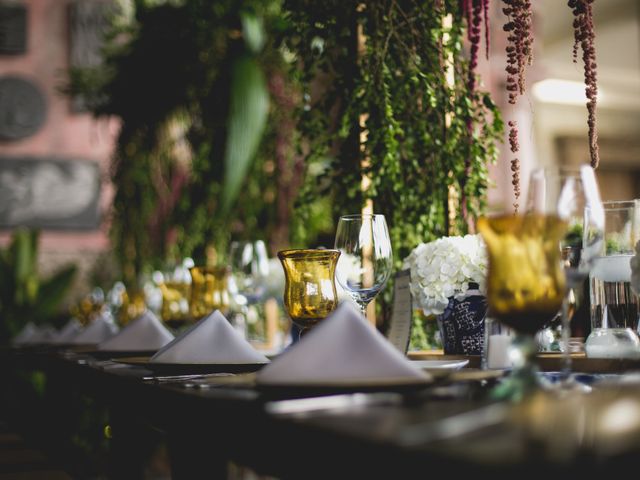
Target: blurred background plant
[206, 109]
[25, 295]
[270, 118]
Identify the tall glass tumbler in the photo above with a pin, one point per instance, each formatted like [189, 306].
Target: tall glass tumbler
[614, 306]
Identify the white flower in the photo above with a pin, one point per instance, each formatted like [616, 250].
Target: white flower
[444, 268]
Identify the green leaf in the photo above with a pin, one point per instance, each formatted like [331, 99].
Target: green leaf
[24, 251]
[249, 106]
[7, 280]
[52, 292]
[252, 31]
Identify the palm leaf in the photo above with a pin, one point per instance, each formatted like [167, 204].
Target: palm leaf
[252, 31]
[249, 105]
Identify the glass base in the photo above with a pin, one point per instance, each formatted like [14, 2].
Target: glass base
[523, 378]
[612, 343]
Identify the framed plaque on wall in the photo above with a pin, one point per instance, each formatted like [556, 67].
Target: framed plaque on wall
[49, 193]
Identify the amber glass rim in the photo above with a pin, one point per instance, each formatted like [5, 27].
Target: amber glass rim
[304, 252]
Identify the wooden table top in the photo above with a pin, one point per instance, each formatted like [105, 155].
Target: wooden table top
[451, 423]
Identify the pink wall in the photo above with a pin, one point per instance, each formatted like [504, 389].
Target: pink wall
[64, 134]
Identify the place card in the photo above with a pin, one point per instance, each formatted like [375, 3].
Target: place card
[399, 332]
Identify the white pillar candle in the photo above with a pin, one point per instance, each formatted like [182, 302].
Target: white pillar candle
[498, 351]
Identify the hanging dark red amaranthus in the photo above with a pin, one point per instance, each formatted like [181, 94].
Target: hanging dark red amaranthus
[584, 38]
[519, 56]
[475, 11]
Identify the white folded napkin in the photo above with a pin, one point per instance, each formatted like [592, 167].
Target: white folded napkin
[144, 333]
[343, 349]
[68, 332]
[26, 334]
[44, 335]
[101, 328]
[211, 340]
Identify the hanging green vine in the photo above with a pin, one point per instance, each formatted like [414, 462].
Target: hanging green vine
[380, 69]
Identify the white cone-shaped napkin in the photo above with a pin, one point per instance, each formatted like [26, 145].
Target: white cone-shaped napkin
[26, 335]
[212, 340]
[42, 336]
[144, 333]
[101, 328]
[342, 349]
[72, 328]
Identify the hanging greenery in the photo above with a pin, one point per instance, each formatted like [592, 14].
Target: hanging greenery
[388, 101]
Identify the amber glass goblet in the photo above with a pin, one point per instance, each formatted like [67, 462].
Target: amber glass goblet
[209, 290]
[175, 286]
[310, 290]
[525, 286]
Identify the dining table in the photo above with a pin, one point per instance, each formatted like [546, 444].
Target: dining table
[451, 424]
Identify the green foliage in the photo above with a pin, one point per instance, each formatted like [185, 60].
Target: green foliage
[247, 118]
[423, 332]
[24, 294]
[381, 106]
[283, 101]
[188, 79]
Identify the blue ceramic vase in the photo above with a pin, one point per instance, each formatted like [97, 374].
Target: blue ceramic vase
[462, 323]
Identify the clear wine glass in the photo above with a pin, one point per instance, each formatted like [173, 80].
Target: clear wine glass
[572, 193]
[366, 260]
[250, 268]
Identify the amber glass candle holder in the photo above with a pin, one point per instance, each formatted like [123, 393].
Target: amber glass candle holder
[175, 300]
[133, 305]
[209, 290]
[310, 290]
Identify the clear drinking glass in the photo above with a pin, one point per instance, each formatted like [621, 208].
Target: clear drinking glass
[614, 306]
[366, 260]
[249, 272]
[571, 193]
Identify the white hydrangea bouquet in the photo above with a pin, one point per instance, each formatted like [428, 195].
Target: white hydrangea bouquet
[444, 268]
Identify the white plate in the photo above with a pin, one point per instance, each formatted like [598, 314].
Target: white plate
[440, 364]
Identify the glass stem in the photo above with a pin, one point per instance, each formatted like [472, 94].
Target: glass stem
[363, 309]
[523, 378]
[566, 335]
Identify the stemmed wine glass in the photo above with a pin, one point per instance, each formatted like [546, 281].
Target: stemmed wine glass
[366, 260]
[249, 263]
[250, 268]
[525, 286]
[571, 193]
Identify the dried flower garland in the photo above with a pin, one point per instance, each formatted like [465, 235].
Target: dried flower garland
[476, 12]
[584, 38]
[519, 55]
